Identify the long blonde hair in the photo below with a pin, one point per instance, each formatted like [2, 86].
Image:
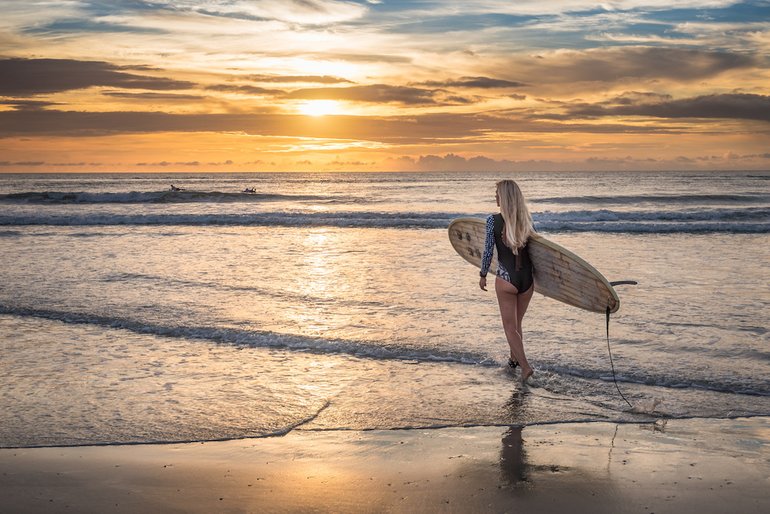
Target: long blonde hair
[518, 220]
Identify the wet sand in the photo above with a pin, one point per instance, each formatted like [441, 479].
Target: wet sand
[704, 466]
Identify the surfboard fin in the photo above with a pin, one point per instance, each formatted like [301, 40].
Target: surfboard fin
[624, 283]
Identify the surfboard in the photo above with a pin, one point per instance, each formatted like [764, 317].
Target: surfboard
[559, 273]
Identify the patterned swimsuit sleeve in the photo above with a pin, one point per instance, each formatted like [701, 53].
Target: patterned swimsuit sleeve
[489, 245]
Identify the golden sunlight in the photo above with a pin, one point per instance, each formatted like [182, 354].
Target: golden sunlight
[320, 107]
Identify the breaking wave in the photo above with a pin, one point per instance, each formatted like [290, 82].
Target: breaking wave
[668, 199]
[749, 220]
[137, 197]
[369, 349]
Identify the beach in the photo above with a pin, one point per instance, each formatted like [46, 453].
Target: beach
[696, 465]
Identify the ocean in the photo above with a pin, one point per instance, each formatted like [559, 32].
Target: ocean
[130, 313]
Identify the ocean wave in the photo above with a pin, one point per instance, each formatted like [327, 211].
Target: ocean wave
[282, 219]
[753, 220]
[380, 350]
[151, 197]
[730, 385]
[654, 228]
[258, 339]
[668, 199]
[749, 220]
[761, 214]
[201, 196]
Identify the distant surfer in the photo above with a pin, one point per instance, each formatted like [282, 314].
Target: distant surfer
[508, 232]
[174, 188]
[250, 190]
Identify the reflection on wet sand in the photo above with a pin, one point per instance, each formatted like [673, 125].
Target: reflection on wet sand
[513, 462]
[517, 467]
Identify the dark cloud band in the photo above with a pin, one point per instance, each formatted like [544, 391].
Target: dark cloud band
[24, 77]
[734, 106]
[394, 129]
[474, 82]
[376, 93]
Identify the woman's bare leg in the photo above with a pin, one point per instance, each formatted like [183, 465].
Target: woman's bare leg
[513, 306]
[522, 302]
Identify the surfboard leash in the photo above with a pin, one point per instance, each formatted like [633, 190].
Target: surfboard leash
[612, 364]
[609, 350]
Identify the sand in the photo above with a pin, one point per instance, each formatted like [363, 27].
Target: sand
[703, 466]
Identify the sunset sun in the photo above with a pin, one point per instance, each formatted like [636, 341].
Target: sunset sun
[319, 107]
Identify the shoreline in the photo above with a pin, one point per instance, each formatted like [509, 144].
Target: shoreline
[653, 421]
[674, 465]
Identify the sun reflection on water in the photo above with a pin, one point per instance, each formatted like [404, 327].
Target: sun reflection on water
[321, 280]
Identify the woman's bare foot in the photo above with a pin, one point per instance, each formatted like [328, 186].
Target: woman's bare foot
[526, 374]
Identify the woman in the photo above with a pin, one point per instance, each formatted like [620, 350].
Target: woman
[514, 285]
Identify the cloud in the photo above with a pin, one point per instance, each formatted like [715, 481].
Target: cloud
[21, 77]
[453, 162]
[481, 163]
[153, 96]
[167, 163]
[23, 163]
[366, 58]
[79, 26]
[737, 106]
[624, 63]
[457, 100]
[26, 105]
[310, 12]
[441, 127]
[734, 106]
[377, 93]
[302, 12]
[462, 8]
[639, 98]
[244, 89]
[473, 82]
[288, 79]
[351, 163]
[571, 109]
[26, 164]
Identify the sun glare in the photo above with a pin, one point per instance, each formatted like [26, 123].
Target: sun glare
[319, 107]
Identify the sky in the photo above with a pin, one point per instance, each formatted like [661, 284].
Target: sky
[378, 85]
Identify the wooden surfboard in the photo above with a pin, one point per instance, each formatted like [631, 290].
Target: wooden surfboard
[559, 273]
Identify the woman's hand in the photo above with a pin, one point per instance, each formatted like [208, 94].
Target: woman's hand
[483, 283]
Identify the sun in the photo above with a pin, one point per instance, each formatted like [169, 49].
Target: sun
[319, 107]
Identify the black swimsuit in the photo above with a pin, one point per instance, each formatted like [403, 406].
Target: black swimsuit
[514, 269]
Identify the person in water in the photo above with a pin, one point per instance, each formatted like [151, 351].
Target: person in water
[509, 232]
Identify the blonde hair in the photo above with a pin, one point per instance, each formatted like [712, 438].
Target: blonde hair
[518, 220]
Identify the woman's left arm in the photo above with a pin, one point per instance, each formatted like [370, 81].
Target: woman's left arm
[489, 246]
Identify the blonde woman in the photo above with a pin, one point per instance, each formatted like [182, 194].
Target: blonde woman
[508, 232]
